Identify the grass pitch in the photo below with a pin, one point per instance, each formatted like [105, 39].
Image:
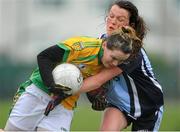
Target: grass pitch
[86, 119]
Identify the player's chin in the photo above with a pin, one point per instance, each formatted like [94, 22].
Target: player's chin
[108, 66]
[109, 31]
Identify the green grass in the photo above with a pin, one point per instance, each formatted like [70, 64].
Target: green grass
[86, 119]
[4, 111]
[171, 117]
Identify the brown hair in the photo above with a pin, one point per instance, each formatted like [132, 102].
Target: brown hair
[126, 40]
[135, 20]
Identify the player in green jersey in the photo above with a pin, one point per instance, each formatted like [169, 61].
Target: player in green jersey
[91, 55]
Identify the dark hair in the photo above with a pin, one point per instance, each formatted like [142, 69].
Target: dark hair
[126, 40]
[135, 20]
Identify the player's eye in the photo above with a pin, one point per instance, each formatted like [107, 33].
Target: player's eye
[113, 58]
[121, 20]
[110, 16]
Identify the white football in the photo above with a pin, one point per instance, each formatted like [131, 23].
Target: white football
[68, 75]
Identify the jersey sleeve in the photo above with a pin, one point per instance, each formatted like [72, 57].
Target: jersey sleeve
[67, 51]
[47, 60]
[130, 65]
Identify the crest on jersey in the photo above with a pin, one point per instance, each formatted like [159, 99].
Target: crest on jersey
[78, 46]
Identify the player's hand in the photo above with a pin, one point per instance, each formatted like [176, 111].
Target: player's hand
[99, 104]
[59, 94]
[57, 89]
[98, 98]
[57, 99]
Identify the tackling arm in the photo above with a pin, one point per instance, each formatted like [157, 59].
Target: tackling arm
[94, 82]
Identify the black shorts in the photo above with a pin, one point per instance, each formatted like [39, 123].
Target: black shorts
[148, 122]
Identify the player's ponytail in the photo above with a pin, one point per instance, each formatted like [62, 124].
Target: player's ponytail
[140, 27]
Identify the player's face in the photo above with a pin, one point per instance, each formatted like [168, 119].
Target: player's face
[113, 58]
[117, 17]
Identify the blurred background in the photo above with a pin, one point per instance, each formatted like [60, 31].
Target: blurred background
[29, 26]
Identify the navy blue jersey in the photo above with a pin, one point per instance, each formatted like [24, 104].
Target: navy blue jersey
[136, 91]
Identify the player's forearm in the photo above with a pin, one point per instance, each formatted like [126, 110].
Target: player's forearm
[47, 60]
[99, 79]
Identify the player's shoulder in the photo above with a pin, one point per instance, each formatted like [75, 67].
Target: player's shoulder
[82, 39]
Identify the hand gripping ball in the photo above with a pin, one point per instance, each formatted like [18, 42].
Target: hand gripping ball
[68, 75]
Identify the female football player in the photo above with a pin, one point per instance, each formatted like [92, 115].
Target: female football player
[135, 96]
[90, 54]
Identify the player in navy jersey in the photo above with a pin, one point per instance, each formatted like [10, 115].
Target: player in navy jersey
[135, 96]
